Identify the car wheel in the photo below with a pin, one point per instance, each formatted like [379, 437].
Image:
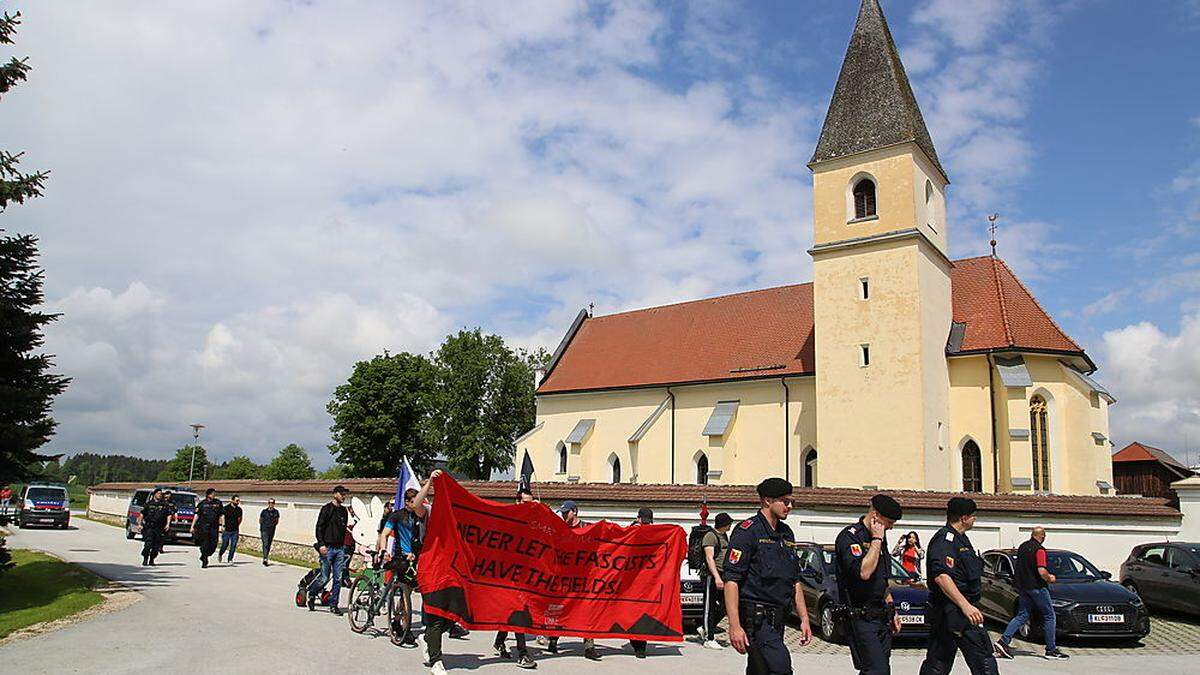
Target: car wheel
[830, 631]
[21, 524]
[128, 532]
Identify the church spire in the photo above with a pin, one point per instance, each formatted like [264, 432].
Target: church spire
[873, 105]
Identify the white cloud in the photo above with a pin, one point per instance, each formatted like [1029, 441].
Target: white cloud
[1155, 376]
[284, 188]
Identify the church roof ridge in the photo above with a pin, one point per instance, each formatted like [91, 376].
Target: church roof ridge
[873, 105]
[723, 296]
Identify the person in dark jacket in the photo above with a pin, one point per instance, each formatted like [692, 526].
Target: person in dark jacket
[154, 521]
[1033, 580]
[268, 519]
[331, 534]
[206, 525]
[171, 509]
[232, 517]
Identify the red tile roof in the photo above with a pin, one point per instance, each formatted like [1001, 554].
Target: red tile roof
[1139, 452]
[769, 332]
[632, 495]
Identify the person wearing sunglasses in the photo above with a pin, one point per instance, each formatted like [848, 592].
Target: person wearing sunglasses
[762, 583]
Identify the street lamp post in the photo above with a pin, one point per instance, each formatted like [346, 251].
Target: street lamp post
[195, 442]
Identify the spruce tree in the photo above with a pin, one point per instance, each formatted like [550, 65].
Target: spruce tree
[27, 389]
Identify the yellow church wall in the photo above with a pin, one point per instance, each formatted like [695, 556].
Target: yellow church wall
[970, 418]
[877, 411]
[752, 449]
[900, 173]
[1077, 461]
[934, 279]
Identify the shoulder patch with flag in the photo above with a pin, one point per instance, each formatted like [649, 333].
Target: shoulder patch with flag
[856, 550]
[950, 561]
[747, 523]
[734, 556]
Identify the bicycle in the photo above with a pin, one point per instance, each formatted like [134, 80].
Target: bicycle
[371, 596]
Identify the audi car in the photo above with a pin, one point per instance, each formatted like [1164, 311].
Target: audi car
[1165, 575]
[1086, 603]
[44, 504]
[818, 577]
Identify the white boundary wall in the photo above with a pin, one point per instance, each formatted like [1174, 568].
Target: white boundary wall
[1105, 540]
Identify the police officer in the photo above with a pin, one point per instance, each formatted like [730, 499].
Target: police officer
[863, 566]
[206, 525]
[762, 583]
[954, 569]
[153, 520]
[171, 509]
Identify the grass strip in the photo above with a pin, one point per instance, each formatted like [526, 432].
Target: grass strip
[43, 588]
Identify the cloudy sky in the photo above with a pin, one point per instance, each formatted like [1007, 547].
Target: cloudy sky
[247, 197]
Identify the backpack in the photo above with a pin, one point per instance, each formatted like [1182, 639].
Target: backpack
[695, 551]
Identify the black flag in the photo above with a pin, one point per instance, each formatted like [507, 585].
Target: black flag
[526, 484]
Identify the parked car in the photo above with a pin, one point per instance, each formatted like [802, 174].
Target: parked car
[1165, 575]
[185, 511]
[44, 504]
[691, 595]
[818, 576]
[1086, 603]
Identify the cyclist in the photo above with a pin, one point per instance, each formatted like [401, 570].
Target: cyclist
[401, 525]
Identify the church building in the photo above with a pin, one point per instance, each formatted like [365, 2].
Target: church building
[896, 367]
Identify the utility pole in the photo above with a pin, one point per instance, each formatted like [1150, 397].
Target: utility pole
[195, 442]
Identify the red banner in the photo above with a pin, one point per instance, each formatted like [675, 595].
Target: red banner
[520, 568]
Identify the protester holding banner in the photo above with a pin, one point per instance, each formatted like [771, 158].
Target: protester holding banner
[762, 583]
[645, 516]
[570, 515]
[518, 568]
[401, 556]
[523, 659]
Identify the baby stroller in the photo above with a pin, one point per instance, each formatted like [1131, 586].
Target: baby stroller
[302, 588]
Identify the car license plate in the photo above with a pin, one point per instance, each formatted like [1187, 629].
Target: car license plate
[1106, 618]
[918, 619]
[692, 598]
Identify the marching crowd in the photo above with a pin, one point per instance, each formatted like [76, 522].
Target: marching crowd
[751, 576]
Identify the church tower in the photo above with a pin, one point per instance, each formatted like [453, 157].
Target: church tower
[881, 276]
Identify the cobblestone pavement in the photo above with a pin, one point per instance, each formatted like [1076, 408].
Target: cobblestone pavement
[1168, 635]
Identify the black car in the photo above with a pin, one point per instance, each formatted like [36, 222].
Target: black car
[818, 576]
[1086, 604]
[1165, 575]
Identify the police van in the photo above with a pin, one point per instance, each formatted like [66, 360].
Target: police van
[44, 504]
[184, 501]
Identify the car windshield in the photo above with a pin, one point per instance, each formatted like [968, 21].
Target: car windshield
[1070, 566]
[186, 501]
[45, 495]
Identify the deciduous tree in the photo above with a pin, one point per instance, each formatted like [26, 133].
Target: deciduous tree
[292, 463]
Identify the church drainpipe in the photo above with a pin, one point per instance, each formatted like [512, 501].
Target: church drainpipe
[787, 404]
[992, 410]
[671, 394]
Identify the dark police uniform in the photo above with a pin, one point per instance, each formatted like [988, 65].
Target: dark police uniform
[208, 523]
[764, 565]
[171, 509]
[870, 617]
[154, 519]
[952, 554]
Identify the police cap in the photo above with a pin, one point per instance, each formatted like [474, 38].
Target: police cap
[887, 507]
[772, 488]
[958, 507]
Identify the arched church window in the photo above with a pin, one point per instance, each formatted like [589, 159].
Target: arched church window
[1039, 437]
[972, 468]
[616, 469]
[702, 470]
[810, 468]
[562, 457]
[864, 198]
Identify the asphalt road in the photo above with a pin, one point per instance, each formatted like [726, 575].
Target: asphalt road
[242, 618]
